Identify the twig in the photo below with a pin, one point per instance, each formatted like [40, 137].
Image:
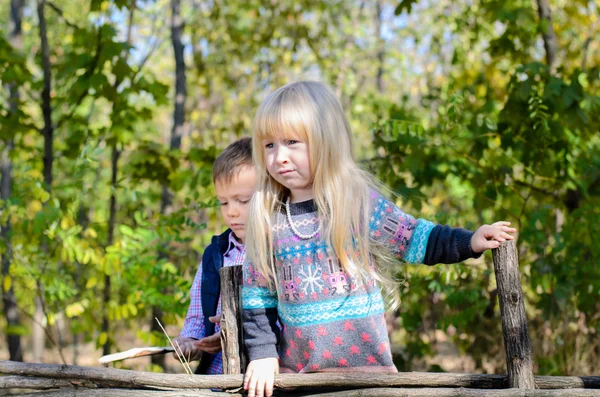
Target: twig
[186, 360]
[187, 368]
[61, 14]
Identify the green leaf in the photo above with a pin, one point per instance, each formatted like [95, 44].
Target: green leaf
[404, 5]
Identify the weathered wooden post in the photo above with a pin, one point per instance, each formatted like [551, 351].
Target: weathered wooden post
[512, 312]
[234, 355]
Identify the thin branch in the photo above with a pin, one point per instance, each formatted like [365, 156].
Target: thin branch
[46, 331]
[156, 44]
[537, 189]
[92, 67]
[586, 45]
[61, 14]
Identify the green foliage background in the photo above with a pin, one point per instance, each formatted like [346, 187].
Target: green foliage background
[452, 104]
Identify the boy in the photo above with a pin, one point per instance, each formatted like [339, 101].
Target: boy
[235, 179]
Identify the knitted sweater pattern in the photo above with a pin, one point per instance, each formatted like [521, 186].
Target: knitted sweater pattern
[331, 320]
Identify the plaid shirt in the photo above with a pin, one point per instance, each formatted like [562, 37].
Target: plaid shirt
[194, 321]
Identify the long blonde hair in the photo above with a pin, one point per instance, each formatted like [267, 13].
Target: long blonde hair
[311, 112]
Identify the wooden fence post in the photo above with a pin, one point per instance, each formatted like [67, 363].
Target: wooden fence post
[512, 311]
[234, 353]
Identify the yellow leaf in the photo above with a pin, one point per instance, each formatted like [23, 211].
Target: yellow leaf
[74, 309]
[86, 257]
[92, 233]
[7, 283]
[33, 207]
[102, 338]
[91, 283]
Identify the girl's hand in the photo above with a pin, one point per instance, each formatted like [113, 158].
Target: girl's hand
[490, 236]
[260, 376]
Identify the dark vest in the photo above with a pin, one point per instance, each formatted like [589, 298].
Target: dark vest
[210, 291]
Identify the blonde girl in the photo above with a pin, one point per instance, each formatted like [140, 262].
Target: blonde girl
[319, 234]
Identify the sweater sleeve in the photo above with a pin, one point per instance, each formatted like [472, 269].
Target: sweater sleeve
[417, 240]
[259, 313]
[449, 245]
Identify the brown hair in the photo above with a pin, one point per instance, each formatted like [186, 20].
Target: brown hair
[232, 159]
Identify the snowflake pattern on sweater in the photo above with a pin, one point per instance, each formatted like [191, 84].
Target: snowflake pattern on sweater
[331, 321]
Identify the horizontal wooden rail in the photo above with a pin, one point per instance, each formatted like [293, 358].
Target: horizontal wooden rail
[379, 392]
[319, 380]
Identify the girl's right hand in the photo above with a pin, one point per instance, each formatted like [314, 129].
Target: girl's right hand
[260, 376]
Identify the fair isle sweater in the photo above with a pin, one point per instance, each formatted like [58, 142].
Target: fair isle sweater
[331, 321]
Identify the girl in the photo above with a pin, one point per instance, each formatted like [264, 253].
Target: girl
[319, 234]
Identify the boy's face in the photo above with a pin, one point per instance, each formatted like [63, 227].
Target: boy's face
[234, 197]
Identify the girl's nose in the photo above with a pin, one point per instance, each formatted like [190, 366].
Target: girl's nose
[281, 156]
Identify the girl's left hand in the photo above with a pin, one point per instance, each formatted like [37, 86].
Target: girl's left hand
[490, 236]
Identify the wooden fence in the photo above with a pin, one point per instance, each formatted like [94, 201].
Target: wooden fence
[65, 380]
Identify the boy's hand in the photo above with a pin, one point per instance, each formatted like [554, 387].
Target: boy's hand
[210, 344]
[192, 348]
[188, 348]
[260, 376]
[490, 236]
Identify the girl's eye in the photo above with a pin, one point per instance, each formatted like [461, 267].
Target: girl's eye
[223, 204]
[244, 201]
[269, 146]
[291, 142]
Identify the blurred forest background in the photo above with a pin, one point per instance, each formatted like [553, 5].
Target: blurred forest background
[112, 112]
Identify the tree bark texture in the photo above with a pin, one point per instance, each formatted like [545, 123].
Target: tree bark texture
[550, 42]
[180, 77]
[116, 153]
[380, 46]
[9, 299]
[38, 334]
[380, 392]
[176, 132]
[28, 382]
[234, 355]
[445, 392]
[514, 322]
[319, 380]
[71, 392]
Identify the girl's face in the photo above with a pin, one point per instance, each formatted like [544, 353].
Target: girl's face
[288, 162]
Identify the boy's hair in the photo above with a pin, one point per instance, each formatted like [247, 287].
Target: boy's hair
[310, 111]
[232, 159]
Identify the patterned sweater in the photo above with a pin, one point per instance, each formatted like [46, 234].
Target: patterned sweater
[331, 320]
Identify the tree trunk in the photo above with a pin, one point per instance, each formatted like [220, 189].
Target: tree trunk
[112, 217]
[180, 77]
[514, 321]
[48, 134]
[550, 42]
[380, 47]
[11, 313]
[176, 133]
[111, 231]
